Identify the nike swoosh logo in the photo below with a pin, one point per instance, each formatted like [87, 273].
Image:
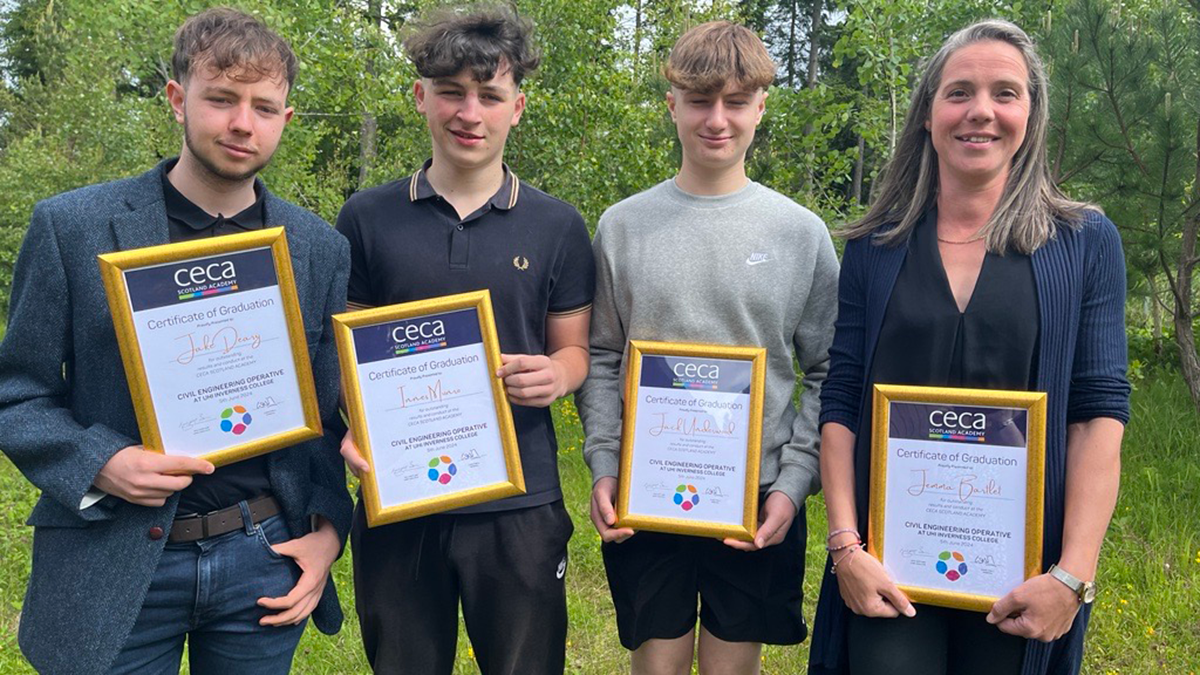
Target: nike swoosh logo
[758, 262]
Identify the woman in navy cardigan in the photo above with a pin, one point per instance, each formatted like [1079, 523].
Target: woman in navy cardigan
[972, 269]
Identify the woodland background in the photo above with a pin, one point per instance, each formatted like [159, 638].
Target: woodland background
[81, 102]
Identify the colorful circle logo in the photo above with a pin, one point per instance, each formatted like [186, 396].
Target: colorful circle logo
[686, 497]
[442, 474]
[952, 565]
[234, 420]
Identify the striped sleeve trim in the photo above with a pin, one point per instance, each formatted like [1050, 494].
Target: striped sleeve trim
[572, 312]
[356, 306]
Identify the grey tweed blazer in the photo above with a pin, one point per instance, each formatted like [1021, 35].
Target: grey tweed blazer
[65, 409]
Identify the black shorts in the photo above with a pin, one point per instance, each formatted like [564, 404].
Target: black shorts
[506, 567]
[745, 596]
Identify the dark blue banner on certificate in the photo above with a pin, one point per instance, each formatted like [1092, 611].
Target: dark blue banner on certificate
[697, 374]
[184, 281]
[397, 339]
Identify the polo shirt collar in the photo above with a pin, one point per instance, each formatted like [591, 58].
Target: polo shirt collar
[505, 198]
[184, 210]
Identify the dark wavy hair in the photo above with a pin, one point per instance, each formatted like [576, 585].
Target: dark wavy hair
[232, 42]
[484, 39]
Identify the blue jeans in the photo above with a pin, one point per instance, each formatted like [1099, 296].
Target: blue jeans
[207, 591]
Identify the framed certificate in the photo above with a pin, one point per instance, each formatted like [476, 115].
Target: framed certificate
[427, 410]
[957, 478]
[212, 339]
[691, 439]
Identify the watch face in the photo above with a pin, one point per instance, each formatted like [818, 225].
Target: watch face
[1089, 592]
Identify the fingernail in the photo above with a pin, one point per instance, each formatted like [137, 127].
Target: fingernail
[910, 611]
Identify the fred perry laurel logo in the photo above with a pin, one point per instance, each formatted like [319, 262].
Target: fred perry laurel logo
[758, 258]
[521, 263]
[562, 568]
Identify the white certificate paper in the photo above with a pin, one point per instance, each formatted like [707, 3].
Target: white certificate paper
[213, 336]
[428, 404]
[690, 440]
[955, 515]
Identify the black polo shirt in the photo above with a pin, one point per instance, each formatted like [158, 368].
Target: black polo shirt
[246, 479]
[530, 250]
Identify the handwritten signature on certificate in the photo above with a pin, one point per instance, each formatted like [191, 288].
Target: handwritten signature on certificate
[222, 341]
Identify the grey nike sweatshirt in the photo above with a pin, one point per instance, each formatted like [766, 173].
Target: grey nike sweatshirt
[747, 268]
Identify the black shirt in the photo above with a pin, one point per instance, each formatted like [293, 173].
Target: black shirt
[246, 479]
[530, 250]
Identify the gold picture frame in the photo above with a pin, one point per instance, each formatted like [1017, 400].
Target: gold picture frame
[944, 431]
[115, 270]
[448, 308]
[745, 527]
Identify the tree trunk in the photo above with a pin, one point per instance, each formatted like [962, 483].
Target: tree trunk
[1185, 338]
[814, 36]
[791, 52]
[856, 184]
[369, 131]
[1156, 314]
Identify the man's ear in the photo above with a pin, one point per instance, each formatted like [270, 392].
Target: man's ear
[671, 103]
[518, 108]
[419, 95]
[762, 105]
[175, 97]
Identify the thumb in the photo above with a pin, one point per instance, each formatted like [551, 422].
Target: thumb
[899, 600]
[1002, 609]
[179, 464]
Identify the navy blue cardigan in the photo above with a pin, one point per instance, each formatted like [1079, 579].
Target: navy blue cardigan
[1080, 277]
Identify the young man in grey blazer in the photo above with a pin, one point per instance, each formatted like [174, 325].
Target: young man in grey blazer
[135, 551]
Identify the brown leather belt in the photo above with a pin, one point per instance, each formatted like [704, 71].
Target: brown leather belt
[193, 528]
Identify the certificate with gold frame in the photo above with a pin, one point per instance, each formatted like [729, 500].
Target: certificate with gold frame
[213, 344]
[691, 439]
[957, 481]
[427, 410]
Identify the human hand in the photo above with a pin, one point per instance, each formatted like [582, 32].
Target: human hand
[774, 519]
[147, 478]
[603, 515]
[867, 589]
[532, 379]
[1042, 608]
[314, 554]
[354, 460]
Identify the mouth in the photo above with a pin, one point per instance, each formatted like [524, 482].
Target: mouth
[466, 136]
[715, 140]
[237, 150]
[977, 139]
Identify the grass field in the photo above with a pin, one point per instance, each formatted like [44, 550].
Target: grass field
[1146, 620]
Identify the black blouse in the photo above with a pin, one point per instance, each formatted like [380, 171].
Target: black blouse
[925, 340]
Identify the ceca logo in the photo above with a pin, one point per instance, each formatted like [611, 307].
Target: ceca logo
[206, 279]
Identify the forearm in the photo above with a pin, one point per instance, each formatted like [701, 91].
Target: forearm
[837, 476]
[1092, 482]
[572, 364]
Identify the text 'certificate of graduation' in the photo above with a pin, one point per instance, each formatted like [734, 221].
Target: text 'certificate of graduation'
[690, 452]
[956, 511]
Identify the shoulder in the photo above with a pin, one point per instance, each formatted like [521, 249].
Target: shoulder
[786, 213]
[102, 200]
[301, 222]
[546, 206]
[387, 195]
[632, 210]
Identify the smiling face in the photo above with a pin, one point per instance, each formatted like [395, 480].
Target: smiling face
[469, 120]
[715, 130]
[979, 114]
[231, 127]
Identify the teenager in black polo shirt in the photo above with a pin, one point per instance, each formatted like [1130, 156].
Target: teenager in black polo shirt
[463, 222]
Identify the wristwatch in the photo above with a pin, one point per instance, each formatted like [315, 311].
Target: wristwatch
[1084, 590]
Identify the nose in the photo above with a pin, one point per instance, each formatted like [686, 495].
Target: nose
[243, 119]
[981, 109]
[469, 110]
[716, 116]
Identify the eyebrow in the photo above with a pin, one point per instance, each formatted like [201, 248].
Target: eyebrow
[225, 91]
[1013, 84]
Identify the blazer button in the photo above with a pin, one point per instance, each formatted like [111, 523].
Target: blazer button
[156, 533]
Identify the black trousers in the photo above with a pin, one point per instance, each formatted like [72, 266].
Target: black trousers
[508, 569]
[937, 641]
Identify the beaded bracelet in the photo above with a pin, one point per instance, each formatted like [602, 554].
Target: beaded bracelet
[835, 549]
[850, 553]
[844, 530]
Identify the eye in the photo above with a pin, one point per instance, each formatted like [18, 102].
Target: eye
[267, 110]
[957, 94]
[219, 100]
[1008, 94]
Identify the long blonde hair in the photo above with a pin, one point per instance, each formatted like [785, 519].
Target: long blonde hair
[1031, 205]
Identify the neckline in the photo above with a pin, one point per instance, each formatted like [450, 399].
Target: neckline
[928, 238]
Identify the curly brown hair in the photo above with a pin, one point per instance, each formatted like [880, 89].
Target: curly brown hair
[230, 41]
[484, 39]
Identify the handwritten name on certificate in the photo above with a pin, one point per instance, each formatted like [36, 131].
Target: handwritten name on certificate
[692, 427]
[213, 335]
[956, 497]
[429, 408]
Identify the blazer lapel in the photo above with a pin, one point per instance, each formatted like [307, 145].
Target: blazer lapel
[145, 224]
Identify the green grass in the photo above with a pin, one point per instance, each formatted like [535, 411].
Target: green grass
[1146, 619]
